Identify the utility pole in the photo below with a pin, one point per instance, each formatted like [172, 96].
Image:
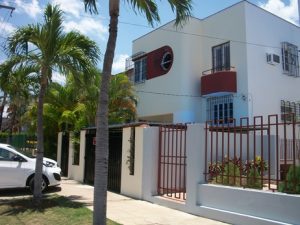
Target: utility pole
[299, 12]
[8, 7]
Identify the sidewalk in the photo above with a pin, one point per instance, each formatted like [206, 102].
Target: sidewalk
[128, 211]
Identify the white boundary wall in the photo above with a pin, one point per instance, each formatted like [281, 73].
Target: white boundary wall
[228, 204]
[59, 142]
[75, 172]
[143, 184]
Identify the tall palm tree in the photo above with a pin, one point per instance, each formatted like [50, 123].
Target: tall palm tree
[182, 8]
[47, 46]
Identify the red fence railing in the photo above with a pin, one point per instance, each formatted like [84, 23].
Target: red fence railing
[172, 161]
[262, 153]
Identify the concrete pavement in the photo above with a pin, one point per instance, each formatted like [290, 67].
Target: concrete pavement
[128, 211]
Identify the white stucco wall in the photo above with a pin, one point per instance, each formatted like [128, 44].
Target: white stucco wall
[260, 86]
[150, 161]
[228, 26]
[180, 82]
[228, 204]
[267, 84]
[192, 48]
[76, 172]
[257, 207]
[59, 142]
[131, 185]
[143, 183]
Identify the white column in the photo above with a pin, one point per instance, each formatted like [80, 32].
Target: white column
[195, 148]
[59, 142]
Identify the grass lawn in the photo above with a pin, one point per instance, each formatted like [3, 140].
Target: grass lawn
[55, 210]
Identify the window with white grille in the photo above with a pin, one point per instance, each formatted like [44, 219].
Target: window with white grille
[290, 59]
[140, 70]
[290, 110]
[220, 109]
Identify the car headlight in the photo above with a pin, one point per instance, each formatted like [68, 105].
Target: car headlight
[49, 164]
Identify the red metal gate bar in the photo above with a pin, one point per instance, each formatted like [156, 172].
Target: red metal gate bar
[263, 159]
[172, 161]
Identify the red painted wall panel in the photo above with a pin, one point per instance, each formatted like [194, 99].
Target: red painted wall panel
[154, 59]
[223, 81]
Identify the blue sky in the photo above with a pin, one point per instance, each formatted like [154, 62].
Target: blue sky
[131, 25]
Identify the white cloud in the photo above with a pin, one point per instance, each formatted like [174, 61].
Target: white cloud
[119, 63]
[287, 11]
[31, 8]
[73, 7]
[57, 77]
[87, 26]
[6, 28]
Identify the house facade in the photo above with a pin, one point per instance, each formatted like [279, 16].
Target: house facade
[240, 62]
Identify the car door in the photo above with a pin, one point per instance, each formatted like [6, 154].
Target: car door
[12, 172]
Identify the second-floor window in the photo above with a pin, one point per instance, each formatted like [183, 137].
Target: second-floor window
[140, 70]
[290, 60]
[221, 57]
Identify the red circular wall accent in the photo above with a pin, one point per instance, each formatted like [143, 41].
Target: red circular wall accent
[154, 60]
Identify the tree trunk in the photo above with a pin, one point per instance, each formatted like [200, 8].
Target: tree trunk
[40, 141]
[12, 122]
[2, 109]
[101, 161]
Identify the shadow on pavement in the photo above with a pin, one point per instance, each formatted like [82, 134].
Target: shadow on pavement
[19, 192]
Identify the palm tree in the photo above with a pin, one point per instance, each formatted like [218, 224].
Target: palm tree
[48, 47]
[18, 83]
[122, 100]
[6, 69]
[182, 9]
[22, 85]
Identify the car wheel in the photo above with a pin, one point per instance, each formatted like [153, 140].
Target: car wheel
[31, 184]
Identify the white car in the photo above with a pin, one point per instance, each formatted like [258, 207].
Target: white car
[17, 170]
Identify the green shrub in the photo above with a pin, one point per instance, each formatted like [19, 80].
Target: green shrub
[292, 182]
[229, 176]
[235, 172]
[254, 179]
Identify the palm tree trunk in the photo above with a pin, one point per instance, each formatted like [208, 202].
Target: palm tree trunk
[101, 161]
[2, 109]
[40, 141]
[12, 122]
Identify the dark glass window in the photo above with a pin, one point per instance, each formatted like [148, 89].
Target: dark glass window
[220, 109]
[290, 59]
[221, 57]
[140, 70]
[167, 60]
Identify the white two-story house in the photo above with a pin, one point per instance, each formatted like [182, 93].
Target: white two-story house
[240, 62]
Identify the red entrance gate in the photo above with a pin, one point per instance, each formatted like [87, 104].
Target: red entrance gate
[172, 161]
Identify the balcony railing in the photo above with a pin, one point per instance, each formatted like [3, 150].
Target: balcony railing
[218, 69]
[129, 65]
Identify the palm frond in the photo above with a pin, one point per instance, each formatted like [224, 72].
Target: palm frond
[182, 8]
[91, 6]
[147, 7]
